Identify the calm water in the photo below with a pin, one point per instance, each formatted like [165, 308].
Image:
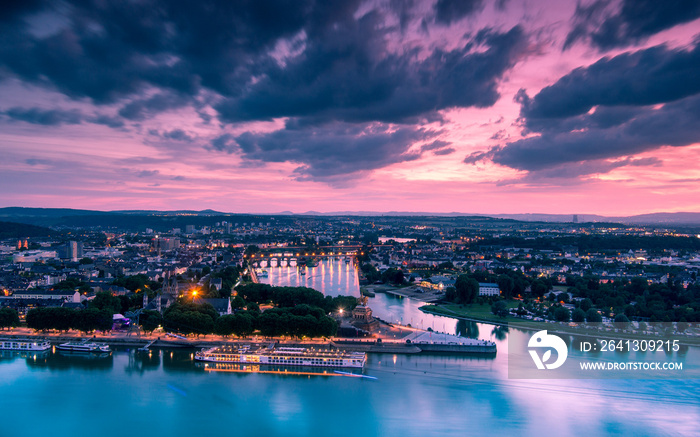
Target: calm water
[332, 277]
[163, 393]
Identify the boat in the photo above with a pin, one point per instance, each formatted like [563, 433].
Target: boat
[312, 263]
[282, 356]
[83, 346]
[24, 344]
[263, 274]
[302, 272]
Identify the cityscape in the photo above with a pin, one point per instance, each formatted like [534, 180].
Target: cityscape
[363, 217]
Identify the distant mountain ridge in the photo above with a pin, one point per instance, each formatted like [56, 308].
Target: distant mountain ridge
[689, 218]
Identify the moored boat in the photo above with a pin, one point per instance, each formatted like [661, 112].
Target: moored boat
[283, 356]
[83, 346]
[24, 344]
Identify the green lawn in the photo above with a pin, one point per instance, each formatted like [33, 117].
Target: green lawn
[472, 311]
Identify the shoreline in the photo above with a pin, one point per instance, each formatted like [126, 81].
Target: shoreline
[601, 335]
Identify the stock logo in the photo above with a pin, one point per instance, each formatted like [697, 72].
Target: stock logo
[543, 340]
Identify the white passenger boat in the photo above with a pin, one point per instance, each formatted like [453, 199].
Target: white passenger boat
[24, 344]
[83, 346]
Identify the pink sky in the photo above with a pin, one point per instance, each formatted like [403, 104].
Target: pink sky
[68, 159]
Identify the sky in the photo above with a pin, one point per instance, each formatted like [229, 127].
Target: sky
[471, 106]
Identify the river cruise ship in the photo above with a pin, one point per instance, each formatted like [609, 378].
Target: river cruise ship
[283, 356]
[24, 344]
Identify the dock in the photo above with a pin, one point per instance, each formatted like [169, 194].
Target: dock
[419, 342]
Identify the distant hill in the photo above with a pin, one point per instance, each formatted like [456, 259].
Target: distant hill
[22, 230]
[70, 217]
[15, 211]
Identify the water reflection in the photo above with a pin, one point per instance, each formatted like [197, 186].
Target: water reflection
[500, 332]
[332, 277]
[141, 361]
[468, 329]
[67, 360]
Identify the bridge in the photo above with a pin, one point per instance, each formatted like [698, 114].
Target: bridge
[291, 256]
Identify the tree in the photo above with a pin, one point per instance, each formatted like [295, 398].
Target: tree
[586, 304]
[539, 288]
[592, 316]
[622, 321]
[105, 301]
[467, 289]
[578, 315]
[150, 320]
[506, 284]
[562, 314]
[8, 318]
[500, 309]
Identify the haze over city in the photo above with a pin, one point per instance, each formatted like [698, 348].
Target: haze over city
[468, 106]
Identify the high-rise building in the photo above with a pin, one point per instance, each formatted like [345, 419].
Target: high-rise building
[575, 218]
[73, 250]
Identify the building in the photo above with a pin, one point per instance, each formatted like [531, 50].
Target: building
[222, 306]
[489, 289]
[165, 244]
[61, 295]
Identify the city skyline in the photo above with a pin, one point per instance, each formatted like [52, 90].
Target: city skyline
[470, 106]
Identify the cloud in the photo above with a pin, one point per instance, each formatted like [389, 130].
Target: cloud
[46, 117]
[438, 147]
[224, 143]
[337, 71]
[337, 150]
[147, 173]
[350, 76]
[106, 120]
[142, 109]
[38, 161]
[605, 113]
[178, 135]
[646, 77]
[450, 11]
[607, 26]
[58, 116]
[567, 172]
[674, 124]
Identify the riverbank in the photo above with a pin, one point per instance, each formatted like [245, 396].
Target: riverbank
[412, 292]
[472, 314]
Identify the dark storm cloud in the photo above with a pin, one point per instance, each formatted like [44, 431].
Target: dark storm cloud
[50, 117]
[349, 76]
[646, 77]
[141, 109]
[56, 117]
[571, 173]
[336, 149]
[331, 67]
[224, 143]
[675, 124]
[106, 120]
[111, 50]
[634, 21]
[615, 108]
[449, 11]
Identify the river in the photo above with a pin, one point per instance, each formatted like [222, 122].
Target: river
[163, 393]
